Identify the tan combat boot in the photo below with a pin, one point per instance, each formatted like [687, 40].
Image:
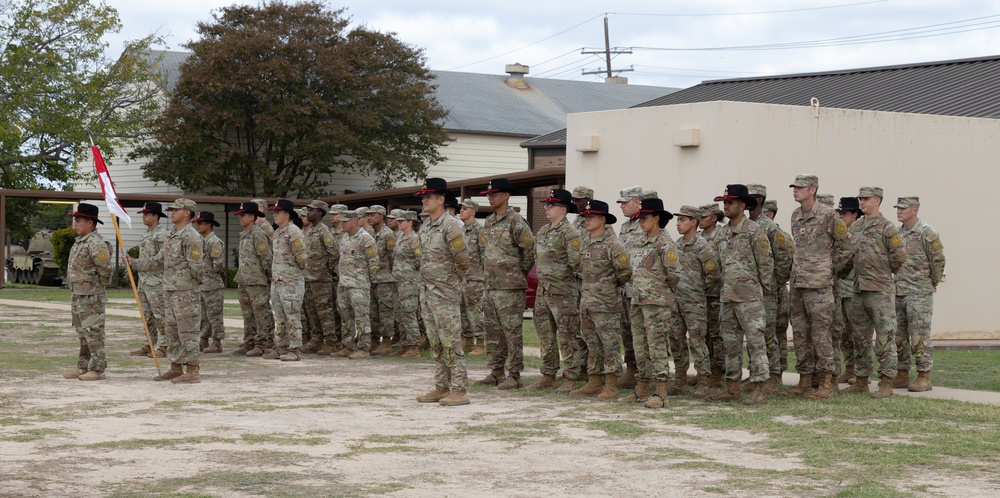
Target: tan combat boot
[594, 385]
[825, 390]
[884, 388]
[493, 378]
[860, 386]
[692, 381]
[457, 397]
[756, 394]
[639, 395]
[772, 384]
[312, 346]
[511, 382]
[216, 347]
[701, 388]
[715, 380]
[191, 376]
[626, 381]
[410, 352]
[566, 386]
[343, 353]
[275, 353]
[291, 355]
[360, 354]
[202, 343]
[326, 349]
[159, 353]
[434, 396]
[902, 380]
[546, 382]
[174, 372]
[384, 347]
[659, 398]
[678, 386]
[922, 384]
[848, 376]
[478, 350]
[255, 351]
[803, 387]
[75, 373]
[731, 393]
[92, 375]
[143, 351]
[242, 350]
[610, 391]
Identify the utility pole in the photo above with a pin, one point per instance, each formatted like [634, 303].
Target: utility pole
[608, 50]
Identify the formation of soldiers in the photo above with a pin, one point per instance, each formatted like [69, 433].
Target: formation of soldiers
[612, 311]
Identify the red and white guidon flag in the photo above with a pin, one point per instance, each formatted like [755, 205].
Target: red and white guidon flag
[110, 197]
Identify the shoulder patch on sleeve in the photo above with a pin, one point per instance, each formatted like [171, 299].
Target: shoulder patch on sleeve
[623, 259]
[482, 238]
[458, 243]
[781, 238]
[764, 244]
[102, 256]
[371, 251]
[328, 239]
[842, 229]
[896, 241]
[217, 250]
[709, 265]
[575, 243]
[528, 238]
[390, 243]
[936, 245]
[416, 251]
[672, 255]
[195, 253]
[297, 243]
[262, 246]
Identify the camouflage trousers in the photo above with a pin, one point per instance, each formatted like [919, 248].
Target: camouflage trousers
[602, 333]
[212, 305]
[88, 320]
[781, 325]
[183, 324]
[913, 338]
[874, 310]
[151, 302]
[844, 354]
[716, 347]
[689, 332]
[286, 302]
[441, 307]
[738, 321]
[408, 312]
[383, 314]
[472, 310]
[354, 304]
[771, 334]
[650, 323]
[557, 322]
[811, 312]
[319, 312]
[626, 327]
[504, 316]
[258, 320]
[338, 322]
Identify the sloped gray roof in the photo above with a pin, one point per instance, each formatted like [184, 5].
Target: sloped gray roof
[484, 103]
[557, 137]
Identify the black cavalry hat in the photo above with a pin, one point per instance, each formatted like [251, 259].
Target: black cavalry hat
[653, 206]
[153, 207]
[208, 217]
[450, 201]
[434, 186]
[849, 204]
[561, 196]
[249, 208]
[500, 185]
[85, 210]
[739, 192]
[599, 207]
[284, 205]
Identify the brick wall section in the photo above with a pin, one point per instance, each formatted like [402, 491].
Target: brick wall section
[537, 212]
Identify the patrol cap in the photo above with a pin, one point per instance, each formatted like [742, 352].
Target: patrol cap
[261, 203]
[351, 214]
[338, 209]
[771, 205]
[394, 214]
[84, 210]
[406, 216]
[865, 192]
[376, 209]
[825, 199]
[649, 194]
[318, 204]
[757, 189]
[424, 214]
[183, 203]
[710, 210]
[471, 204]
[362, 211]
[302, 212]
[689, 211]
[905, 202]
[582, 192]
[806, 181]
[627, 194]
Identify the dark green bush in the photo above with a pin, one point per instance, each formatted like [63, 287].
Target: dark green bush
[62, 242]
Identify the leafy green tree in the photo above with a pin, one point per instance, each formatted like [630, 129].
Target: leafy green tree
[276, 97]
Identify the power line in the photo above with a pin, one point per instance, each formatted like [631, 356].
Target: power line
[803, 9]
[556, 57]
[697, 70]
[530, 44]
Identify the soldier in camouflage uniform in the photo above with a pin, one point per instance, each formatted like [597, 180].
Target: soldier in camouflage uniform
[322, 257]
[711, 216]
[630, 235]
[88, 270]
[655, 274]
[771, 208]
[337, 230]
[383, 285]
[825, 199]
[699, 272]
[581, 196]
[183, 271]
[605, 268]
[262, 222]
[879, 253]
[822, 251]
[556, 313]
[213, 254]
[474, 285]
[406, 272]
[289, 255]
[444, 258]
[253, 276]
[507, 259]
[358, 265]
[150, 265]
[849, 212]
[781, 318]
[916, 282]
[747, 265]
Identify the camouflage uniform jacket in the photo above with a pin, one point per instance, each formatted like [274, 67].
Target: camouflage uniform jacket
[878, 253]
[699, 268]
[655, 270]
[745, 255]
[713, 241]
[358, 260]
[385, 244]
[338, 235]
[323, 254]
[444, 256]
[89, 266]
[510, 251]
[406, 261]
[288, 250]
[557, 254]
[924, 265]
[183, 267]
[631, 234]
[605, 268]
[254, 257]
[475, 238]
[845, 285]
[265, 227]
[580, 222]
[822, 247]
[150, 262]
[213, 258]
[782, 251]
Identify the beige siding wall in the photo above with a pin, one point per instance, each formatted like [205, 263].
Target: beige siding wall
[947, 161]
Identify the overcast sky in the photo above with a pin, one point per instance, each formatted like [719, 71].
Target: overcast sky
[547, 36]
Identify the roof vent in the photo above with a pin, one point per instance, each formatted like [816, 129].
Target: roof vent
[516, 72]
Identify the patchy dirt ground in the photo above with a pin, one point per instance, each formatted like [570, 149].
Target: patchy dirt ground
[336, 427]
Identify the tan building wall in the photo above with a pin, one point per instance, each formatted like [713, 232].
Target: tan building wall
[948, 161]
